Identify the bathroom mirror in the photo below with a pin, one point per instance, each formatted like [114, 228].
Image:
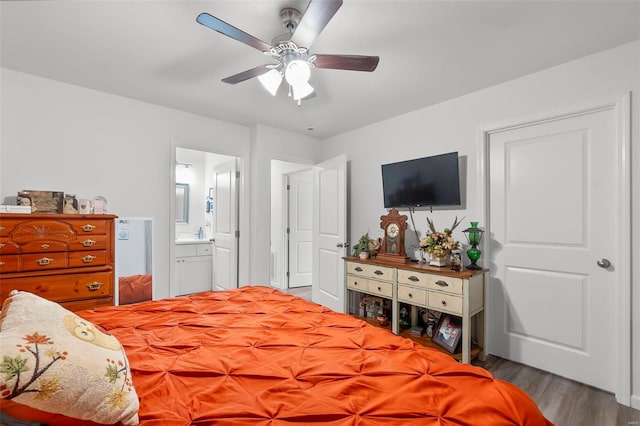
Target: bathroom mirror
[182, 203]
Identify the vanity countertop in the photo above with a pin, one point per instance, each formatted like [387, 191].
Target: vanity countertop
[182, 242]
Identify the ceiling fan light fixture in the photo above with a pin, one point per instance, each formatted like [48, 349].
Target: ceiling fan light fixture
[297, 72]
[301, 90]
[271, 81]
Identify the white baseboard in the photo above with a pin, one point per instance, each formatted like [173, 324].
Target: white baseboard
[635, 402]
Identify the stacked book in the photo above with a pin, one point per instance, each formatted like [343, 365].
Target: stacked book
[417, 331]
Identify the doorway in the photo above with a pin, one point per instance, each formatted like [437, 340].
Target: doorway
[211, 195]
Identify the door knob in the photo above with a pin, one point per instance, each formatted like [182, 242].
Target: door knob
[604, 263]
[340, 245]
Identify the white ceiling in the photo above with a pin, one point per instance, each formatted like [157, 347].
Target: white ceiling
[430, 51]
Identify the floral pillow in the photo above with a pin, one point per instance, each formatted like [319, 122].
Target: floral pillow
[55, 361]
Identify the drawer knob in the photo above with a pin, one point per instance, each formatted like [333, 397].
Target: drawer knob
[358, 269]
[442, 283]
[88, 227]
[378, 272]
[413, 278]
[88, 258]
[43, 261]
[444, 303]
[44, 246]
[410, 296]
[94, 286]
[355, 283]
[379, 289]
[88, 243]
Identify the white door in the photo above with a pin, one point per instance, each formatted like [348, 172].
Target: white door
[225, 227]
[329, 232]
[554, 213]
[300, 190]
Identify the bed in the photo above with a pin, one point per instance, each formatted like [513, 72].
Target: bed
[258, 356]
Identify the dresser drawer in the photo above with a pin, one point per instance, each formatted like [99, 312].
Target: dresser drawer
[89, 242]
[356, 283]
[43, 246]
[430, 281]
[9, 263]
[443, 301]
[78, 259]
[380, 288]
[412, 295]
[89, 227]
[370, 271]
[62, 288]
[43, 261]
[8, 247]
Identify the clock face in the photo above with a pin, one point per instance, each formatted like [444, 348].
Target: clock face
[392, 230]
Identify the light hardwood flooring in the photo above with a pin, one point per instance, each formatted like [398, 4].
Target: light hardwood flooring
[562, 401]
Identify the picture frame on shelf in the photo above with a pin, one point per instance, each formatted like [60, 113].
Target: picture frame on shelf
[448, 333]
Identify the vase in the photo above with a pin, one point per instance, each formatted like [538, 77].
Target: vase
[437, 261]
[364, 255]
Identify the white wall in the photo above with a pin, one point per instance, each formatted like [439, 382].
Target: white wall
[455, 125]
[57, 136]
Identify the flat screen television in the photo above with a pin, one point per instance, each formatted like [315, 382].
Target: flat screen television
[428, 181]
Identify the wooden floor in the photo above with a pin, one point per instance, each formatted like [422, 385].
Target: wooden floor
[562, 401]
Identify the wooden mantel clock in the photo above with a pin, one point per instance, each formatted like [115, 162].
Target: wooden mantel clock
[394, 226]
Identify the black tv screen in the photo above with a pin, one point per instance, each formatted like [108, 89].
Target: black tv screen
[428, 181]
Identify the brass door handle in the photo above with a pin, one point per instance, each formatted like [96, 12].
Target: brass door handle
[94, 286]
[43, 261]
[88, 243]
[88, 258]
[88, 227]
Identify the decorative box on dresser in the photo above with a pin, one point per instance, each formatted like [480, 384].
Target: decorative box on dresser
[66, 258]
[459, 293]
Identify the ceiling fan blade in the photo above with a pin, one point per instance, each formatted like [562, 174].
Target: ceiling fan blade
[315, 18]
[231, 31]
[246, 75]
[347, 62]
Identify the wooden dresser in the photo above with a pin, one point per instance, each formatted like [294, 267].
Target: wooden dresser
[67, 258]
[421, 286]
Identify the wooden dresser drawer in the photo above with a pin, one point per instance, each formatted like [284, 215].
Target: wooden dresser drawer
[9, 263]
[356, 283]
[412, 295]
[88, 226]
[430, 281]
[62, 288]
[44, 261]
[8, 247]
[380, 288]
[89, 242]
[370, 271]
[445, 302]
[78, 259]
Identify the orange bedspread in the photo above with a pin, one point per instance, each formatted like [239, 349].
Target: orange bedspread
[257, 356]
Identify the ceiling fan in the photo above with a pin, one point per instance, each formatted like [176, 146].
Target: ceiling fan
[290, 51]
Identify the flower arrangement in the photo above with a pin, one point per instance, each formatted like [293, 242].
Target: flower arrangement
[439, 244]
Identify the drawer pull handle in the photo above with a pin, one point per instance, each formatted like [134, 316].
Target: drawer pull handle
[2, 245]
[2, 228]
[442, 283]
[88, 227]
[413, 278]
[358, 269]
[378, 272]
[88, 258]
[444, 303]
[44, 246]
[44, 261]
[1, 263]
[94, 286]
[88, 243]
